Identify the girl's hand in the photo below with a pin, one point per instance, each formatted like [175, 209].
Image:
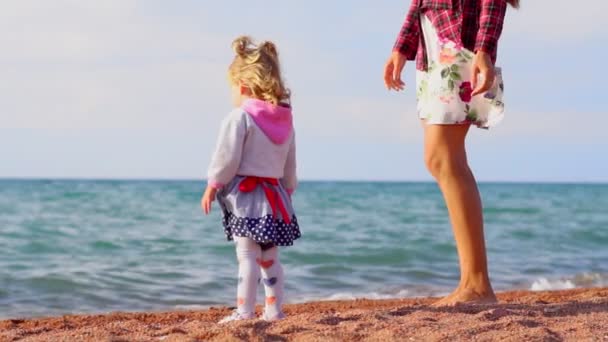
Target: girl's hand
[392, 71]
[207, 199]
[484, 69]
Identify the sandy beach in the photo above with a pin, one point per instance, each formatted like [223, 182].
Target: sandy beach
[572, 315]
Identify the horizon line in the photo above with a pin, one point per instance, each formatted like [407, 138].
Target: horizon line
[305, 180]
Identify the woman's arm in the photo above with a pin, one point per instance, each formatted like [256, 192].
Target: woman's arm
[490, 25]
[405, 48]
[409, 36]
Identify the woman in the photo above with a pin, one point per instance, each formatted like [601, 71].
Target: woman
[455, 42]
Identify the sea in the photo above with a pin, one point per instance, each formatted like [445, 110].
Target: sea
[96, 246]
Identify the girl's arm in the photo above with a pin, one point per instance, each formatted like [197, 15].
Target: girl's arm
[409, 36]
[290, 179]
[490, 25]
[227, 157]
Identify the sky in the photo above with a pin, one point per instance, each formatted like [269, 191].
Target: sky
[137, 89]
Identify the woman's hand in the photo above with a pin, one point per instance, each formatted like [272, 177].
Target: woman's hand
[207, 199]
[483, 68]
[392, 71]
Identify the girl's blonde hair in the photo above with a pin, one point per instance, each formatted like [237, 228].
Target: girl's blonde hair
[257, 67]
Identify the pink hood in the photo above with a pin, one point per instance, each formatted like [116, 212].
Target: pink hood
[275, 121]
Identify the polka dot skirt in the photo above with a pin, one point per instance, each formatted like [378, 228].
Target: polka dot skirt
[265, 229]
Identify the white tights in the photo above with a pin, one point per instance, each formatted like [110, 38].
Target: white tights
[257, 266]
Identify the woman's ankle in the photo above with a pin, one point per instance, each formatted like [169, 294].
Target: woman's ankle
[478, 282]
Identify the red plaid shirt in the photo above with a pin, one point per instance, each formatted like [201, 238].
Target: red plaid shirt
[476, 24]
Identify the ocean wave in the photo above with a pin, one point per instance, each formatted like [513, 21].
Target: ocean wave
[583, 280]
[544, 284]
[369, 295]
[412, 292]
[578, 281]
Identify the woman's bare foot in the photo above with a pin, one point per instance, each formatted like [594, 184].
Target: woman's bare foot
[467, 296]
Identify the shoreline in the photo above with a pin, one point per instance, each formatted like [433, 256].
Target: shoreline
[520, 315]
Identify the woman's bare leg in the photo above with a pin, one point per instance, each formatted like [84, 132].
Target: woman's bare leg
[446, 159]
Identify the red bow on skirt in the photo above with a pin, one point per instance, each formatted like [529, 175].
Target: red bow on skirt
[272, 195]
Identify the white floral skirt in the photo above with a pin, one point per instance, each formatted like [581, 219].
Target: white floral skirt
[444, 90]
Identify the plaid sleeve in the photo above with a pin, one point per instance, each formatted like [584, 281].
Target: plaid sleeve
[490, 25]
[409, 36]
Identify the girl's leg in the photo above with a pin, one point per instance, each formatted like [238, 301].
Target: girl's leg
[273, 279]
[446, 159]
[248, 252]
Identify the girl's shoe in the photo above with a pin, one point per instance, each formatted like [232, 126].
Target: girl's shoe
[276, 317]
[236, 316]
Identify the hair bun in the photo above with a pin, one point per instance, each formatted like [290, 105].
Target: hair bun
[240, 45]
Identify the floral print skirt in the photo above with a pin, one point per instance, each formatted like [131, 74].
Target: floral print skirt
[444, 90]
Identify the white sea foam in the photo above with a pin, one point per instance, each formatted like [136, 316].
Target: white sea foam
[370, 295]
[544, 284]
[396, 294]
[578, 281]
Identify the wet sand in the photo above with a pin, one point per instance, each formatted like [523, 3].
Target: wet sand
[572, 315]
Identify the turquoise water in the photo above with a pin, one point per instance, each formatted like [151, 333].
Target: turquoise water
[98, 246]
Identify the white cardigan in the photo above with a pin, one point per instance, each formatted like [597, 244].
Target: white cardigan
[245, 149]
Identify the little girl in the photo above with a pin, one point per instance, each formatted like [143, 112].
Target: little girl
[253, 174]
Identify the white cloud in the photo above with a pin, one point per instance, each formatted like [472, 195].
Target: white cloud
[170, 95]
[109, 31]
[390, 119]
[95, 64]
[124, 65]
[561, 21]
[577, 127]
